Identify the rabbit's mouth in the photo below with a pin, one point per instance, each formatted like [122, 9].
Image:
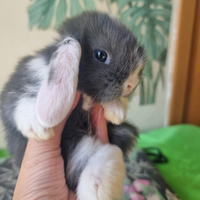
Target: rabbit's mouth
[129, 94]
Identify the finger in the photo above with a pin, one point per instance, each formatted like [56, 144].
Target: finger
[71, 195]
[99, 123]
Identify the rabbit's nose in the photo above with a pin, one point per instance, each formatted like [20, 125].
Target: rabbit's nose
[129, 87]
[130, 84]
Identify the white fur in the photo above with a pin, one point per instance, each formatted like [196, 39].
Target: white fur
[38, 68]
[57, 92]
[115, 111]
[103, 176]
[26, 120]
[83, 151]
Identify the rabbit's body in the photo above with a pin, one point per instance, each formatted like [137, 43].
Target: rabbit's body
[93, 169]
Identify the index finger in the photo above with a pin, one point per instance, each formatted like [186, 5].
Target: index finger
[99, 123]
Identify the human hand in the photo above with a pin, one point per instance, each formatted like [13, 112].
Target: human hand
[42, 172]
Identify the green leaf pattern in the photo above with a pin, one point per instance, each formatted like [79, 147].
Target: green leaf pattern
[75, 7]
[61, 12]
[89, 4]
[47, 17]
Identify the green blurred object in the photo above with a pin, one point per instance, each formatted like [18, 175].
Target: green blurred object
[181, 145]
[3, 155]
[149, 20]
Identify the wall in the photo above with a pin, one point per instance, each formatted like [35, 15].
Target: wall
[148, 117]
[16, 41]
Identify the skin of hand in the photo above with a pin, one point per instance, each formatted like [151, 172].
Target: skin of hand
[42, 175]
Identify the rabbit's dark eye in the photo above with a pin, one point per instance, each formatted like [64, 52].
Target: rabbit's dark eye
[100, 55]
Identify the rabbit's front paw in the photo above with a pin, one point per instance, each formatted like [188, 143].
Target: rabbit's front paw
[115, 111]
[103, 176]
[37, 131]
[27, 122]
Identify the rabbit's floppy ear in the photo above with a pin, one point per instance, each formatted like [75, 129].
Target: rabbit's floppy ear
[58, 90]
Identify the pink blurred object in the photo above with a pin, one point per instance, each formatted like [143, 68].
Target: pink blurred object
[138, 183]
[136, 196]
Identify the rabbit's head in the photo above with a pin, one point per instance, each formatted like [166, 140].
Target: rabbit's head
[111, 62]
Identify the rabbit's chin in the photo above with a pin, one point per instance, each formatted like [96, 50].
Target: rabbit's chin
[114, 111]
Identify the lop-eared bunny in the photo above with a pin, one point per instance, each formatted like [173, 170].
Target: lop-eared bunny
[101, 58]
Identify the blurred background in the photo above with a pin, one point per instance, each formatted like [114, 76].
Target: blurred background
[169, 93]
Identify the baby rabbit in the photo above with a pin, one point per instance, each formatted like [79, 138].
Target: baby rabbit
[100, 57]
